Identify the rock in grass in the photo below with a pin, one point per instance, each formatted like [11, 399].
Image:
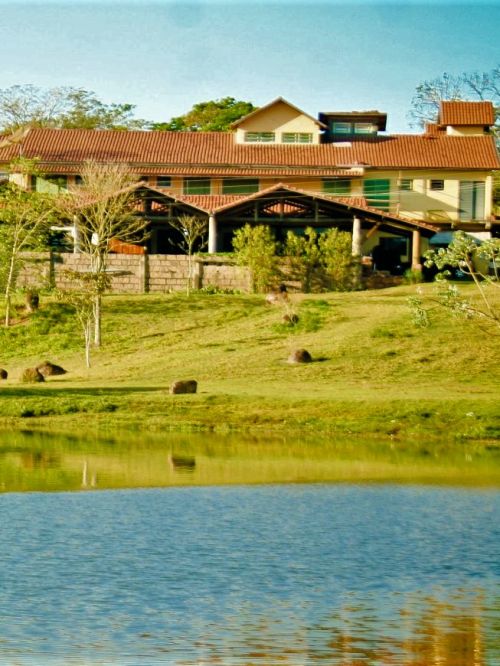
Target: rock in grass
[290, 319]
[32, 376]
[184, 386]
[48, 369]
[3, 374]
[300, 356]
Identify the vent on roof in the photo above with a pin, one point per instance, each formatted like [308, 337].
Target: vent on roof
[343, 144]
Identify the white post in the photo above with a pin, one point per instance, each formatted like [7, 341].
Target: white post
[415, 251]
[357, 237]
[212, 234]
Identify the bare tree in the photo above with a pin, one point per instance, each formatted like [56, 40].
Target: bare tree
[103, 208]
[193, 235]
[466, 86]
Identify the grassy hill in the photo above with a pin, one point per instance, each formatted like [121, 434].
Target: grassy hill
[373, 371]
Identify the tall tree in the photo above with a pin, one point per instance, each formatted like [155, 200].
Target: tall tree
[103, 208]
[467, 86]
[64, 107]
[212, 116]
[25, 219]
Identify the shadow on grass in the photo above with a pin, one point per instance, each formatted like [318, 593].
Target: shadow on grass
[59, 391]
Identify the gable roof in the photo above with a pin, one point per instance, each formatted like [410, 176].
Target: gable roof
[278, 100]
[217, 153]
[466, 113]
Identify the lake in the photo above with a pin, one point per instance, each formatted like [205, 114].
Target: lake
[373, 555]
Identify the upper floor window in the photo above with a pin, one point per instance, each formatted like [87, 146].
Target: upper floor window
[340, 186]
[296, 137]
[406, 184]
[348, 128]
[240, 185]
[436, 184]
[260, 137]
[196, 186]
[163, 181]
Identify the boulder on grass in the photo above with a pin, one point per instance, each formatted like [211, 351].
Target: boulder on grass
[32, 376]
[48, 369]
[300, 356]
[184, 386]
[3, 374]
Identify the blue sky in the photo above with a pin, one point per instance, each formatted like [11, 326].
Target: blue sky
[164, 56]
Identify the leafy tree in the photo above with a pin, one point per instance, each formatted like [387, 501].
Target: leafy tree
[466, 86]
[213, 116]
[103, 209]
[341, 267]
[305, 256]
[481, 263]
[63, 107]
[193, 233]
[256, 248]
[25, 218]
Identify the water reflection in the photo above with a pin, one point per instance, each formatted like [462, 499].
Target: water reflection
[33, 461]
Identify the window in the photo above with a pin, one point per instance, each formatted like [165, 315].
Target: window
[337, 186]
[353, 128]
[472, 200]
[363, 128]
[341, 128]
[406, 184]
[78, 180]
[437, 184]
[196, 186]
[50, 184]
[377, 192]
[260, 137]
[240, 185]
[296, 137]
[163, 181]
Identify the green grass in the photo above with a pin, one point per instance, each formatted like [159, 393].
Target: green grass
[373, 372]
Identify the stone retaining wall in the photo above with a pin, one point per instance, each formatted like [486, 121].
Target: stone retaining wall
[136, 274]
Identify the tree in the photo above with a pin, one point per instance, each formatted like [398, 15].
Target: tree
[103, 208]
[81, 294]
[466, 86]
[192, 234]
[213, 116]
[479, 261]
[255, 248]
[342, 268]
[305, 256]
[25, 219]
[63, 107]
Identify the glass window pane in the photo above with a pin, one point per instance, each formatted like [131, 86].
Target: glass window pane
[196, 186]
[337, 186]
[240, 185]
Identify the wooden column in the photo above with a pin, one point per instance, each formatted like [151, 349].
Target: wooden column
[212, 234]
[357, 237]
[416, 251]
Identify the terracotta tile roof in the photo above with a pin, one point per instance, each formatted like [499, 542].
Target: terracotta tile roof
[216, 153]
[466, 113]
[219, 203]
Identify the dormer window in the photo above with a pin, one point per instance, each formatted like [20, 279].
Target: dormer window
[260, 137]
[345, 128]
[296, 137]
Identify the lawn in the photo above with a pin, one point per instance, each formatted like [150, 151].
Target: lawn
[373, 371]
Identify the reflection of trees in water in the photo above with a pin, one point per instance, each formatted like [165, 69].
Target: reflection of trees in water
[37, 459]
[423, 632]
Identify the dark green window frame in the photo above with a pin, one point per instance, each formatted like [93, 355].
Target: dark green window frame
[406, 184]
[163, 181]
[339, 186]
[240, 185]
[296, 137]
[196, 186]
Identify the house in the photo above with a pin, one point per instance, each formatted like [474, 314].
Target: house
[282, 167]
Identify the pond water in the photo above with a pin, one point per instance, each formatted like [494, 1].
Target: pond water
[345, 572]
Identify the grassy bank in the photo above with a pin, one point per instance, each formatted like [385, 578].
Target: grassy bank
[373, 372]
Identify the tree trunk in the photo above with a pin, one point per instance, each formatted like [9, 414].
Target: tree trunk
[97, 320]
[8, 290]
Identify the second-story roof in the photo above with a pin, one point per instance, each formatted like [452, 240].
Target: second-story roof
[217, 153]
[459, 113]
